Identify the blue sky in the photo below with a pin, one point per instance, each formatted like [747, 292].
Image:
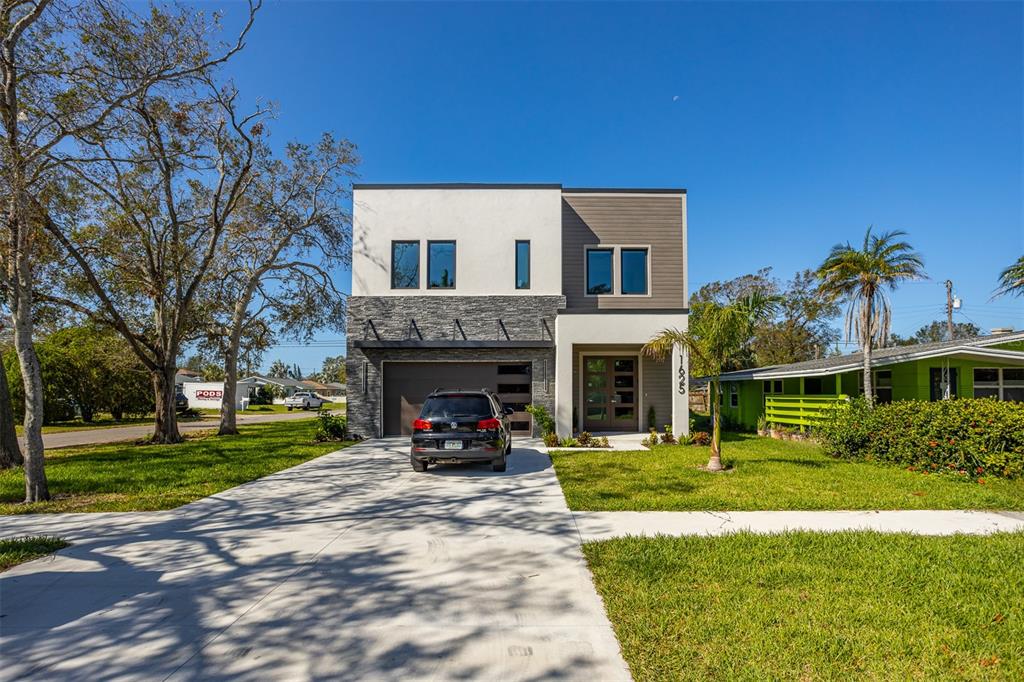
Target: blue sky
[792, 125]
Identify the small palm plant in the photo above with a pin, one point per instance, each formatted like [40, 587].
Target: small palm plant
[718, 333]
[1011, 280]
[862, 277]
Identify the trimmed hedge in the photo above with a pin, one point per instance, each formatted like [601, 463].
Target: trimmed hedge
[970, 437]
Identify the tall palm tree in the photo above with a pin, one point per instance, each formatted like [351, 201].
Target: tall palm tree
[1011, 280]
[717, 334]
[862, 277]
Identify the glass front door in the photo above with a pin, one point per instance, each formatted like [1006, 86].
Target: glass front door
[610, 391]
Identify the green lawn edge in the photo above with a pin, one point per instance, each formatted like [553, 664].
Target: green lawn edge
[815, 606]
[14, 551]
[127, 477]
[767, 475]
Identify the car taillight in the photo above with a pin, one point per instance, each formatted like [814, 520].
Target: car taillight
[421, 425]
[485, 424]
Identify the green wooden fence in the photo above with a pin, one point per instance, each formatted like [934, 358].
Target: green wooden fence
[799, 410]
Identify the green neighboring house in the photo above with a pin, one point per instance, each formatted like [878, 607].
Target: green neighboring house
[795, 394]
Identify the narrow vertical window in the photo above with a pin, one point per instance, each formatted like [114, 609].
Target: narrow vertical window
[405, 265]
[522, 264]
[440, 265]
[599, 271]
[634, 272]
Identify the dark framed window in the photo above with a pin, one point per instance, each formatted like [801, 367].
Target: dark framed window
[599, 271]
[522, 264]
[405, 265]
[441, 265]
[633, 269]
[813, 386]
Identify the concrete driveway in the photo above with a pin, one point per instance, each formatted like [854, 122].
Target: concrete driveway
[347, 567]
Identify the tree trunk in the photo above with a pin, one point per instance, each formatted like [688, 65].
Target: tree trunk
[228, 420]
[20, 279]
[869, 392]
[715, 461]
[228, 425]
[36, 487]
[165, 429]
[10, 451]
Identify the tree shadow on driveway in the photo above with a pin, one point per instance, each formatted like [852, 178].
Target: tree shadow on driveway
[349, 566]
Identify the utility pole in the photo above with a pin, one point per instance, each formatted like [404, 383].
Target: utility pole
[949, 308]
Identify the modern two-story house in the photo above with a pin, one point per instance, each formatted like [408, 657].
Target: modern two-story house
[542, 293]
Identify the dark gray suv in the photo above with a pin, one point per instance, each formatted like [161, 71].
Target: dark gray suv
[458, 425]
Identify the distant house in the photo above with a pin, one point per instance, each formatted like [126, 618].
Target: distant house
[282, 386]
[330, 390]
[185, 376]
[983, 366]
[337, 389]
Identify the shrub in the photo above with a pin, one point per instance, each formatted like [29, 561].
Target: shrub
[700, 438]
[585, 439]
[601, 442]
[651, 418]
[551, 440]
[542, 418]
[330, 427]
[569, 442]
[668, 438]
[262, 396]
[651, 440]
[982, 436]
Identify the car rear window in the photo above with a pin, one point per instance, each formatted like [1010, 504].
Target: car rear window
[447, 406]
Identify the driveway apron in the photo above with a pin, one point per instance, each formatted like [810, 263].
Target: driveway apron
[350, 566]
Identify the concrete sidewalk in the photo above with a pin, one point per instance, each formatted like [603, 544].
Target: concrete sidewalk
[603, 525]
[350, 566]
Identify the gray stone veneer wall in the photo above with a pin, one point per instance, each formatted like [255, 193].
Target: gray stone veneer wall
[525, 318]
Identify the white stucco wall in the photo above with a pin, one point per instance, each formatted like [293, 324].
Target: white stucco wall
[484, 223]
[609, 328]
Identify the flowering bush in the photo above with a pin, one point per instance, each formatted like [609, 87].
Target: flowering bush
[970, 438]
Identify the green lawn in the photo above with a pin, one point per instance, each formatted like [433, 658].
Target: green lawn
[816, 606]
[20, 550]
[127, 477]
[768, 474]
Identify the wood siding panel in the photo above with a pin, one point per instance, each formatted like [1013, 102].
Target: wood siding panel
[657, 385]
[625, 220]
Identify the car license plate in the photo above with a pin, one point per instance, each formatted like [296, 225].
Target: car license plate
[453, 445]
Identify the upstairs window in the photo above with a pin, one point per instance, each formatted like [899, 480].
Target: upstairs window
[634, 272]
[599, 271]
[522, 265]
[440, 265]
[405, 265]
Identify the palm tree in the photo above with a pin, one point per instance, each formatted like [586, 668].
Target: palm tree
[717, 334]
[862, 277]
[1011, 280]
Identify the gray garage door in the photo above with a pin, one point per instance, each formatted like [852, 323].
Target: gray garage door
[407, 384]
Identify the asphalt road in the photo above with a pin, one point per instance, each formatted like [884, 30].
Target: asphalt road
[67, 439]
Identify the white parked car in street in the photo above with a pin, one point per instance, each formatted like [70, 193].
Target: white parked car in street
[303, 400]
